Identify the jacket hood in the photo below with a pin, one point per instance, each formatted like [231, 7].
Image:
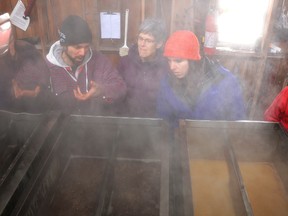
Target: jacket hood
[55, 52]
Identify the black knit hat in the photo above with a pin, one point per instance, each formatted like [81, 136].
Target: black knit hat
[74, 30]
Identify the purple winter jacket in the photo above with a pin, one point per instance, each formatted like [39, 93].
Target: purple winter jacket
[96, 67]
[143, 82]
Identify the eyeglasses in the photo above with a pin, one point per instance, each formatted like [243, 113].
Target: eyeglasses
[146, 41]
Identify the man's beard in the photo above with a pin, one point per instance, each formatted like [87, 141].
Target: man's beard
[73, 60]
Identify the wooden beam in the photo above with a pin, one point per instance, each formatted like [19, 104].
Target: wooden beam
[268, 33]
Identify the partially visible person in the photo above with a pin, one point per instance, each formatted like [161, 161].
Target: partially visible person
[82, 81]
[142, 70]
[24, 74]
[197, 88]
[278, 110]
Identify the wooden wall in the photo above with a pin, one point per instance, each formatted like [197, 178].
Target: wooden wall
[33, 29]
[262, 75]
[261, 80]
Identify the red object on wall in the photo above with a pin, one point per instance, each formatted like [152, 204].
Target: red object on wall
[210, 41]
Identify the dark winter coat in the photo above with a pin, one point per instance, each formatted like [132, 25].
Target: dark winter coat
[143, 82]
[96, 67]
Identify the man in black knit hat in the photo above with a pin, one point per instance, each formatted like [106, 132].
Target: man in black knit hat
[82, 81]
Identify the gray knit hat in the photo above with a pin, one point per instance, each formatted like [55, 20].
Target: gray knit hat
[74, 30]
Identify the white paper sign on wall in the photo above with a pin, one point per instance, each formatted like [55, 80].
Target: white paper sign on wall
[17, 16]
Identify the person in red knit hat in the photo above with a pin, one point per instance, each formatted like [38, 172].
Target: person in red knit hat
[278, 110]
[197, 88]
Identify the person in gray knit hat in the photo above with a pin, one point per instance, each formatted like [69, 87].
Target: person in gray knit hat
[83, 81]
[142, 70]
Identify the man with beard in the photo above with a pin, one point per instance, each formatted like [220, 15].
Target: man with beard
[24, 74]
[142, 70]
[83, 81]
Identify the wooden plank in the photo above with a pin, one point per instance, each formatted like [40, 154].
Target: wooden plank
[266, 42]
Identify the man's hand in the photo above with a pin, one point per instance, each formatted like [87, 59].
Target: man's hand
[16, 89]
[19, 92]
[94, 91]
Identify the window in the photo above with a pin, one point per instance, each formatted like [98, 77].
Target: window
[241, 23]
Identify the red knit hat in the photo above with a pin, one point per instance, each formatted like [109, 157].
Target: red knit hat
[182, 44]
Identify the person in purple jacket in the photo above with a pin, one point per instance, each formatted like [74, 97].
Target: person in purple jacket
[142, 70]
[82, 81]
[24, 74]
[194, 88]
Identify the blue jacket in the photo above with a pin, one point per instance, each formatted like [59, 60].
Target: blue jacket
[222, 100]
